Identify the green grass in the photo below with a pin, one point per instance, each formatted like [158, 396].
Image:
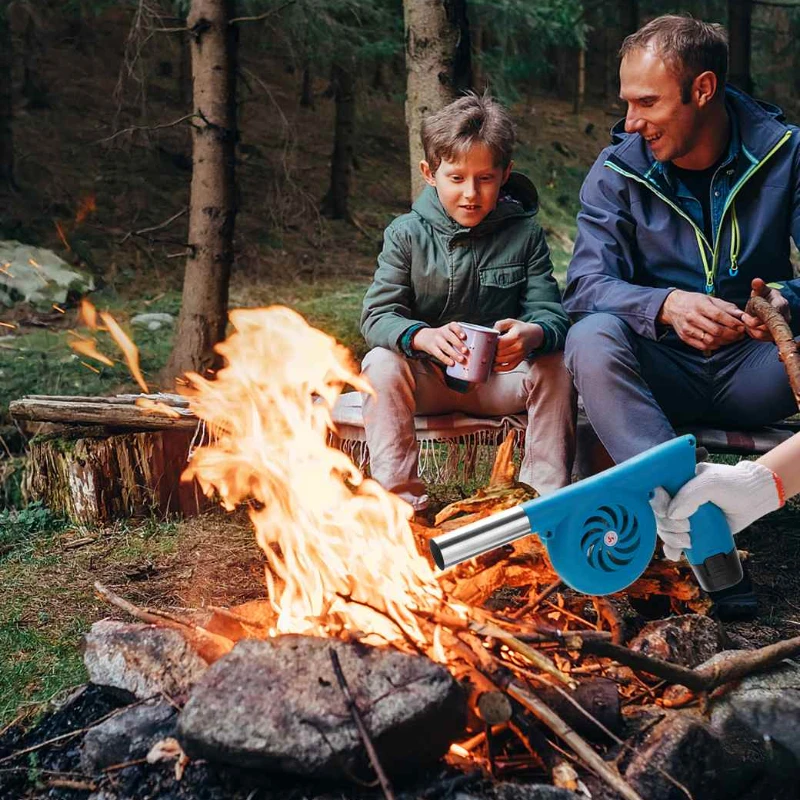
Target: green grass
[48, 598]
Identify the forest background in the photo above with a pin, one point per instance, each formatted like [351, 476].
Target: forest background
[96, 134]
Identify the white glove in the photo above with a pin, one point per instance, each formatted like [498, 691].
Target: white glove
[744, 493]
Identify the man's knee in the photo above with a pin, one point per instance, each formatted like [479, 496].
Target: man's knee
[384, 368]
[593, 339]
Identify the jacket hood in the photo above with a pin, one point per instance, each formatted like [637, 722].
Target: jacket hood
[518, 198]
[760, 125]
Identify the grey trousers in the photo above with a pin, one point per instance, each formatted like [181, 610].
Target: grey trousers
[405, 387]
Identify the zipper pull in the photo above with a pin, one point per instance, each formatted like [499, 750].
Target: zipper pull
[709, 285]
[733, 270]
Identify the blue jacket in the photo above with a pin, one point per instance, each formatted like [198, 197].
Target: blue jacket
[638, 238]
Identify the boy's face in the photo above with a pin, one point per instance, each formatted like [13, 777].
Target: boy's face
[468, 188]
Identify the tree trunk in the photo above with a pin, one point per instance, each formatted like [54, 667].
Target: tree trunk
[306, 90]
[343, 81]
[6, 105]
[580, 81]
[630, 17]
[437, 66]
[739, 17]
[212, 214]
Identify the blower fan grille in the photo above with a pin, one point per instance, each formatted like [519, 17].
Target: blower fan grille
[610, 538]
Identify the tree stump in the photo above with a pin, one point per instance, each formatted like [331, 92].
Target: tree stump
[99, 478]
[111, 457]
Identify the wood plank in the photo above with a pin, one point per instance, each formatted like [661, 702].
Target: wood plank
[110, 415]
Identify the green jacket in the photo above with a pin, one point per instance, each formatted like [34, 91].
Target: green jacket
[432, 271]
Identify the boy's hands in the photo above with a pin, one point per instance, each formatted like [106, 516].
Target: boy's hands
[517, 340]
[445, 344]
[754, 327]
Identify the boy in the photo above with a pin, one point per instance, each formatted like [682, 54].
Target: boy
[469, 251]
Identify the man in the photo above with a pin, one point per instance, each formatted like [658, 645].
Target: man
[688, 211]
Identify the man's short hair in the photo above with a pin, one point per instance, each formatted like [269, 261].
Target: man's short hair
[473, 119]
[687, 46]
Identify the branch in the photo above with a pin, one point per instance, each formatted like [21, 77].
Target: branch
[782, 334]
[210, 646]
[145, 128]
[560, 728]
[352, 707]
[155, 227]
[265, 15]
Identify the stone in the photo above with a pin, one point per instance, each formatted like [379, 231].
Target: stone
[144, 660]
[768, 699]
[684, 747]
[276, 705]
[153, 321]
[52, 280]
[519, 791]
[776, 718]
[687, 640]
[128, 735]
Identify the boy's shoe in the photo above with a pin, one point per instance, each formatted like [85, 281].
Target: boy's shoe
[736, 603]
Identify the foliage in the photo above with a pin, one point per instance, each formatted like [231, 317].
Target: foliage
[17, 528]
[516, 34]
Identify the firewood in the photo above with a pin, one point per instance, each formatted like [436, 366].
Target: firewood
[352, 707]
[209, 645]
[783, 338]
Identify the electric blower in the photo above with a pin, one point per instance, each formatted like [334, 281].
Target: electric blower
[600, 533]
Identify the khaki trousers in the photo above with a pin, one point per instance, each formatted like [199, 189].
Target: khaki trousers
[405, 387]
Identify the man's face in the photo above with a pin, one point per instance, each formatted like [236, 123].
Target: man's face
[655, 108]
[469, 187]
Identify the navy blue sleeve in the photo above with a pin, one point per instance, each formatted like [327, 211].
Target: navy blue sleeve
[600, 275]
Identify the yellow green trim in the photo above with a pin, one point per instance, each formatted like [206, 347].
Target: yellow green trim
[736, 240]
[732, 196]
[702, 242]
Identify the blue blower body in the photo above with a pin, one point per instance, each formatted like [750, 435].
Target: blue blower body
[600, 533]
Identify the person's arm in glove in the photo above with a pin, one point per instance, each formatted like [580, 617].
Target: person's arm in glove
[744, 493]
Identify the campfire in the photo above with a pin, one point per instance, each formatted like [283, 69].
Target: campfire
[361, 648]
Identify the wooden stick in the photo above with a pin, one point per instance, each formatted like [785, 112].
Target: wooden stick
[352, 707]
[210, 646]
[674, 673]
[606, 611]
[532, 605]
[782, 335]
[585, 752]
[513, 643]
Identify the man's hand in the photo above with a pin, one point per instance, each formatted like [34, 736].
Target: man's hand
[517, 340]
[703, 322]
[754, 327]
[445, 344]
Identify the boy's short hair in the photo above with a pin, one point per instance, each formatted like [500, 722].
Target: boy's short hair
[687, 46]
[470, 120]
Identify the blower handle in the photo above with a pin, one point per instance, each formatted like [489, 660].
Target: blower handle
[713, 555]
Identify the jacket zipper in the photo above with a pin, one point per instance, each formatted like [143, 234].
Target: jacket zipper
[710, 272]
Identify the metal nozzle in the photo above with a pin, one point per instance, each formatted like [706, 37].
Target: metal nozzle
[479, 537]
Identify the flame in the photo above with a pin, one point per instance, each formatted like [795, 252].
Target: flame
[156, 407]
[88, 314]
[128, 348]
[86, 206]
[88, 348]
[4, 269]
[340, 551]
[62, 235]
